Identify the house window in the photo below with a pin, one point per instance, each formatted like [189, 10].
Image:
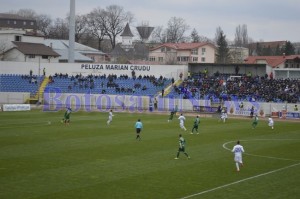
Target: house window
[286, 65]
[31, 56]
[151, 58]
[24, 23]
[45, 56]
[17, 38]
[160, 59]
[15, 22]
[194, 51]
[195, 59]
[31, 23]
[162, 49]
[183, 59]
[203, 51]
[168, 49]
[202, 59]
[8, 22]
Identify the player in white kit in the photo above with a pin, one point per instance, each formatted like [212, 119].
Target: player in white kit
[110, 116]
[238, 150]
[181, 122]
[271, 123]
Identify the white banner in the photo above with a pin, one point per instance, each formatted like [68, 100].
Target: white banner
[16, 107]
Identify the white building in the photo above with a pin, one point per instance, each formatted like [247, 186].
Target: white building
[183, 53]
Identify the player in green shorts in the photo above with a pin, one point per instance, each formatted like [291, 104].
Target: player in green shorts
[255, 122]
[181, 147]
[196, 124]
[66, 118]
[171, 116]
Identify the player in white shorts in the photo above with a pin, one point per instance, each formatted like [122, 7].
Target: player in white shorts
[238, 150]
[181, 122]
[271, 123]
[223, 116]
[110, 116]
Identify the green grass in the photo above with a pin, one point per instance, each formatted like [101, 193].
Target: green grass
[89, 159]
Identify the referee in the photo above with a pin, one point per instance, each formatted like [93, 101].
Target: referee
[138, 127]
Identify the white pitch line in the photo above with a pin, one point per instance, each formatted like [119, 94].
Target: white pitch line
[239, 181]
[262, 156]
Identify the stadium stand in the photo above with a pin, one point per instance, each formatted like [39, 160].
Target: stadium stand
[20, 83]
[111, 84]
[219, 87]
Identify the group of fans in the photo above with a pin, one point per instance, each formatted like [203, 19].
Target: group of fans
[245, 88]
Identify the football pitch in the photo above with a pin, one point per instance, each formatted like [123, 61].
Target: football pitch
[41, 158]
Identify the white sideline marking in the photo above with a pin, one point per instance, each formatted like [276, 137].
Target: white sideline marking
[239, 181]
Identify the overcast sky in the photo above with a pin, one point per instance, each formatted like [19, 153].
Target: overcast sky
[267, 20]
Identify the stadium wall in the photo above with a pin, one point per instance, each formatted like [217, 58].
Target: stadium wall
[130, 103]
[13, 97]
[168, 71]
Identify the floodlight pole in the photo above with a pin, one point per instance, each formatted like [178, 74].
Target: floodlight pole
[38, 79]
[71, 32]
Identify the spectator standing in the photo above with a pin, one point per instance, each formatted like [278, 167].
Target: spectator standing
[155, 104]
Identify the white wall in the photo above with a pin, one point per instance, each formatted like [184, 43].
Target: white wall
[168, 71]
[13, 98]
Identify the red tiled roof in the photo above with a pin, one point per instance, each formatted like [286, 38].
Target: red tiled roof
[271, 60]
[183, 46]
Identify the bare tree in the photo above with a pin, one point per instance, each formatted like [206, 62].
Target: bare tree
[115, 21]
[241, 36]
[176, 29]
[27, 13]
[59, 30]
[44, 24]
[81, 26]
[96, 24]
[159, 35]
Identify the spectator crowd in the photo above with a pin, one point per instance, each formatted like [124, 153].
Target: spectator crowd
[244, 88]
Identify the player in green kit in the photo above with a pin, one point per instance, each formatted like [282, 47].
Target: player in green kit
[196, 125]
[255, 122]
[181, 147]
[66, 118]
[171, 116]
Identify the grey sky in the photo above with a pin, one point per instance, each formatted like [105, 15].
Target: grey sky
[267, 20]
